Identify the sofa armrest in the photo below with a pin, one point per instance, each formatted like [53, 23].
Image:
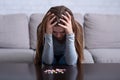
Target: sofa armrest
[87, 57]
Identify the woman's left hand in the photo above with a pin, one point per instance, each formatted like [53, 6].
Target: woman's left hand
[67, 23]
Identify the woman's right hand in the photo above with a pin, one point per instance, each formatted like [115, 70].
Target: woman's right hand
[50, 23]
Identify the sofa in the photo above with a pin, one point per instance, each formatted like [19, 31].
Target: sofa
[101, 37]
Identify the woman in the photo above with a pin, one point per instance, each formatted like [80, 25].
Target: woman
[59, 38]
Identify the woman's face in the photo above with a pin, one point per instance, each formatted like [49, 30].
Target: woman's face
[59, 32]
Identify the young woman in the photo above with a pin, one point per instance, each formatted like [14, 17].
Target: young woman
[59, 38]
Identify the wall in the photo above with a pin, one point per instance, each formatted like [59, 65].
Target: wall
[77, 6]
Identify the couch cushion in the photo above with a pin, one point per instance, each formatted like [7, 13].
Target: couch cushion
[35, 20]
[102, 31]
[14, 31]
[87, 57]
[16, 55]
[106, 55]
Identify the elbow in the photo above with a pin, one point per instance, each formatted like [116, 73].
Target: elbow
[71, 63]
[48, 62]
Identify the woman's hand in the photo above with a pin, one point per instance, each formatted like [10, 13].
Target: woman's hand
[67, 23]
[50, 25]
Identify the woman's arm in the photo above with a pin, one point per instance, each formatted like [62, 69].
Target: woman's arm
[48, 55]
[71, 53]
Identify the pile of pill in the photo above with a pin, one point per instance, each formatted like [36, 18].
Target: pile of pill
[55, 71]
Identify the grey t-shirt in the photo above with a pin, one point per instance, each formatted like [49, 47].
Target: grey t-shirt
[59, 53]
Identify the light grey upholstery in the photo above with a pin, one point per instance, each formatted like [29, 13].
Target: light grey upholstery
[16, 55]
[102, 38]
[87, 57]
[35, 20]
[14, 32]
[105, 55]
[101, 34]
[102, 31]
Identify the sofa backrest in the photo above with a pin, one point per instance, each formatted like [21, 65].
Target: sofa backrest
[35, 20]
[14, 31]
[102, 31]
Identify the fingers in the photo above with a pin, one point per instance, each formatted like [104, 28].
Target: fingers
[48, 13]
[50, 16]
[67, 25]
[69, 16]
[64, 21]
[51, 20]
[54, 23]
[66, 18]
[61, 25]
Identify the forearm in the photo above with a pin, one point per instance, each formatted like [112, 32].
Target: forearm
[70, 54]
[48, 55]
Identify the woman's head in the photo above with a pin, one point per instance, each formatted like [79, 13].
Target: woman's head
[58, 31]
[58, 11]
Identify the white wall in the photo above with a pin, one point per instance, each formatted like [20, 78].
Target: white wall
[77, 6]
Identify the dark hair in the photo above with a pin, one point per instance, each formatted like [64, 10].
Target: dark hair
[58, 11]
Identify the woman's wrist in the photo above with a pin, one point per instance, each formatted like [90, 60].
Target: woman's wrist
[70, 35]
[69, 31]
[49, 31]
